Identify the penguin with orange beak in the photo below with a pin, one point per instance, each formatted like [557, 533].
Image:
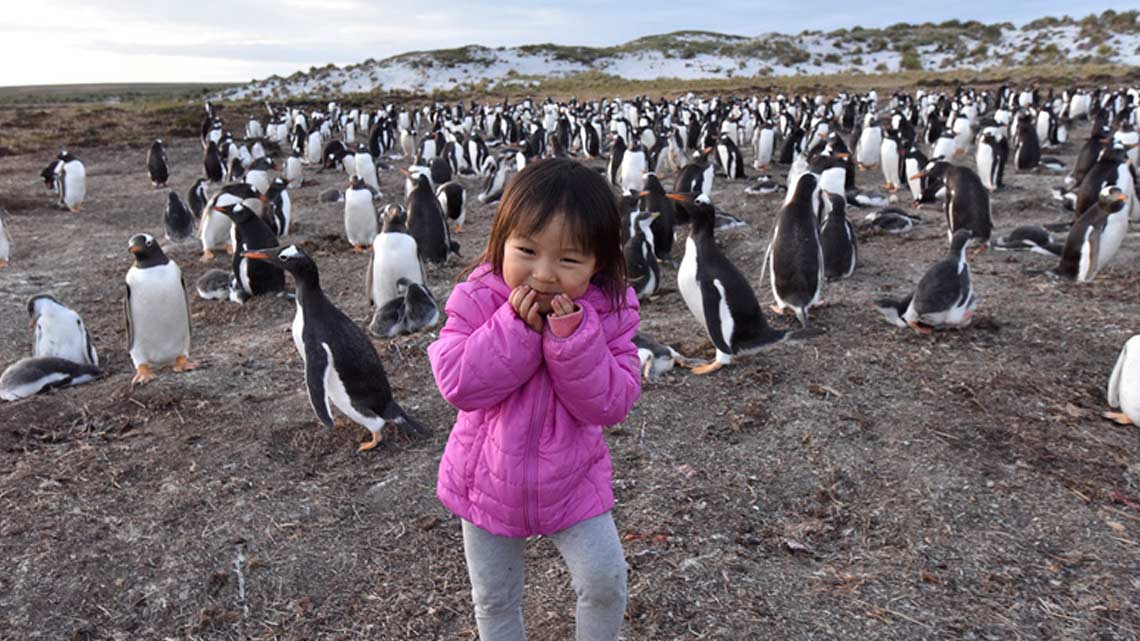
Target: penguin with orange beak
[342, 368]
[157, 311]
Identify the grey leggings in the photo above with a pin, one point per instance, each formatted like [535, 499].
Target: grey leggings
[594, 556]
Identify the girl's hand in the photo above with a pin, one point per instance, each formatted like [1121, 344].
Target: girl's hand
[524, 301]
[563, 306]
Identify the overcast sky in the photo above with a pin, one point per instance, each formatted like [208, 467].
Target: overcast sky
[68, 41]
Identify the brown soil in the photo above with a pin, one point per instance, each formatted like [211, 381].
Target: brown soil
[866, 484]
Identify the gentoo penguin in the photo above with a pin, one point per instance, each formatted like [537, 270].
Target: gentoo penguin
[870, 143]
[697, 176]
[1033, 238]
[258, 174]
[1111, 168]
[1026, 148]
[764, 185]
[655, 198]
[5, 240]
[440, 170]
[427, 223]
[718, 295]
[394, 256]
[914, 162]
[1092, 240]
[891, 161]
[967, 200]
[72, 182]
[891, 220]
[360, 225]
[295, 170]
[451, 198]
[643, 273]
[212, 161]
[634, 165]
[277, 207]
[764, 143]
[795, 257]
[215, 229]
[656, 359]
[497, 173]
[731, 160]
[990, 157]
[1124, 385]
[157, 311]
[837, 239]
[251, 279]
[177, 221]
[30, 376]
[944, 296]
[617, 153]
[365, 167]
[214, 284]
[60, 332]
[342, 368]
[412, 309]
[196, 198]
[156, 164]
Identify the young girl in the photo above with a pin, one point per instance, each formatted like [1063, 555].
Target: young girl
[537, 355]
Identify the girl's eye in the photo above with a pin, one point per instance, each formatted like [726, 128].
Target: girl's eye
[572, 261]
[526, 250]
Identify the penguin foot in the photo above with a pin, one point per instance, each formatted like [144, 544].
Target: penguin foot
[230, 249]
[920, 328]
[1120, 418]
[183, 364]
[75, 209]
[143, 375]
[978, 251]
[707, 368]
[889, 187]
[358, 249]
[459, 229]
[364, 447]
[777, 310]
[207, 256]
[3, 264]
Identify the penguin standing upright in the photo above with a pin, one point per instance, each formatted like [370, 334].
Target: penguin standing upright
[394, 256]
[634, 165]
[654, 198]
[427, 223]
[795, 256]
[990, 157]
[451, 198]
[212, 161]
[5, 240]
[496, 179]
[60, 332]
[156, 164]
[215, 229]
[870, 143]
[967, 200]
[157, 311]
[944, 296]
[643, 273]
[731, 160]
[342, 368]
[617, 153]
[258, 174]
[1027, 148]
[72, 182]
[764, 143]
[251, 279]
[837, 239]
[913, 164]
[697, 176]
[360, 225]
[295, 170]
[1095, 236]
[277, 207]
[718, 295]
[1124, 385]
[892, 162]
[196, 198]
[177, 221]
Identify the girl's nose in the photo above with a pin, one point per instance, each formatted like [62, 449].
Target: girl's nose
[544, 271]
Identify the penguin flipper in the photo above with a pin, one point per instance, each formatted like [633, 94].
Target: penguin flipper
[368, 279]
[316, 367]
[127, 316]
[720, 330]
[1114, 379]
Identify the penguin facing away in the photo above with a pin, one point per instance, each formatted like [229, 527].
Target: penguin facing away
[427, 223]
[1124, 385]
[944, 296]
[718, 295]
[967, 200]
[641, 262]
[72, 181]
[411, 310]
[1033, 238]
[342, 368]
[60, 332]
[177, 221]
[156, 164]
[30, 376]
[157, 311]
[795, 256]
[837, 239]
[196, 198]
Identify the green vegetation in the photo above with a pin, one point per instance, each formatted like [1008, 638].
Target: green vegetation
[108, 92]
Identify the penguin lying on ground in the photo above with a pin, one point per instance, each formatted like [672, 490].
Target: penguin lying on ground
[412, 309]
[1124, 385]
[892, 220]
[656, 359]
[60, 332]
[944, 296]
[1034, 238]
[214, 284]
[29, 376]
[157, 311]
[719, 296]
[342, 368]
[764, 185]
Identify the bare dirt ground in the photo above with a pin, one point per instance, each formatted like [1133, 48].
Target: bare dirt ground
[866, 484]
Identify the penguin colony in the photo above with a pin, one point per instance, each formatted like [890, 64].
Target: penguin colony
[663, 158]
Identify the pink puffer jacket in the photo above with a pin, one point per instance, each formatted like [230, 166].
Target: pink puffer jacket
[527, 455]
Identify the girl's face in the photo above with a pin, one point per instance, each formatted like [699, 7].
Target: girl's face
[549, 263]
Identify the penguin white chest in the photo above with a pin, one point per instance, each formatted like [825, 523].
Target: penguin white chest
[160, 323]
[360, 226]
[1124, 383]
[60, 332]
[336, 392]
[394, 257]
[687, 282]
[74, 184]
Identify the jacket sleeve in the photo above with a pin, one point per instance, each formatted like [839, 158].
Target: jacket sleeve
[482, 354]
[596, 379]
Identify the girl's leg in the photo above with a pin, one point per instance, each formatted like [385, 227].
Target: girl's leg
[495, 564]
[593, 553]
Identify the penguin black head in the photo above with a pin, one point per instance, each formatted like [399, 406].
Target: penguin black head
[959, 241]
[1112, 199]
[702, 213]
[236, 212]
[65, 156]
[292, 259]
[278, 185]
[395, 219]
[36, 304]
[356, 182]
[836, 204]
[147, 251]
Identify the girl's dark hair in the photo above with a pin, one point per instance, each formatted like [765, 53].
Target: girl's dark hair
[543, 190]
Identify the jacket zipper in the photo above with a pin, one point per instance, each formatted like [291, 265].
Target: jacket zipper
[531, 504]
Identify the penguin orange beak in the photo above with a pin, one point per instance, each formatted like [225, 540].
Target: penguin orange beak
[405, 172]
[643, 194]
[921, 174]
[256, 255]
[821, 136]
[1121, 197]
[843, 155]
[134, 249]
[708, 150]
[263, 198]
